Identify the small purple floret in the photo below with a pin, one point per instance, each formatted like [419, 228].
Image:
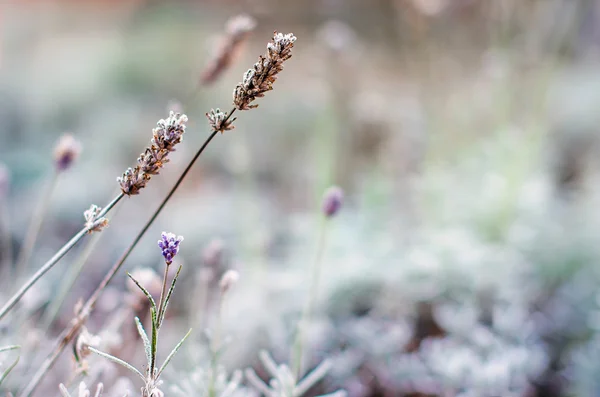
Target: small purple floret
[332, 201]
[169, 244]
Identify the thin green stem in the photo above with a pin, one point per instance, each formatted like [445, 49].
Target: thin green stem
[53, 261]
[68, 334]
[39, 214]
[163, 292]
[312, 298]
[72, 275]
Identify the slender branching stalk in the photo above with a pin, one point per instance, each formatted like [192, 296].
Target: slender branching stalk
[167, 134]
[54, 260]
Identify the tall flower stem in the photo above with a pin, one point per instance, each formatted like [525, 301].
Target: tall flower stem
[70, 278]
[312, 298]
[5, 235]
[68, 334]
[53, 261]
[39, 214]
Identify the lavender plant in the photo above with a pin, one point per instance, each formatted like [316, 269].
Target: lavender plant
[165, 137]
[255, 84]
[169, 245]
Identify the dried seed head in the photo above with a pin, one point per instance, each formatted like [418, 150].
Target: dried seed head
[92, 222]
[66, 152]
[169, 245]
[228, 280]
[133, 180]
[237, 31]
[332, 201]
[219, 121]
[261, 77]
[152, 160]
[169, 132]
[165, 136]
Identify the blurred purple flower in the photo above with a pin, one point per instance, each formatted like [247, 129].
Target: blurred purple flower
[332, 201]
[169, 244]
[66, 152]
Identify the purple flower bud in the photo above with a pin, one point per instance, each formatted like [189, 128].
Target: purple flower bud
[332, 201]
[66, 152]
[169, 244]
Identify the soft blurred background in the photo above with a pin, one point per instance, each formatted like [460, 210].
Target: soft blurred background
[465, 133]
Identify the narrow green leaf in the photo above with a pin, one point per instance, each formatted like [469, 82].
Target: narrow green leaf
[118, 361]
[144, 336]
[164, 309]
[172, 354]
[150, 298]
[154, 341]
[10, 368]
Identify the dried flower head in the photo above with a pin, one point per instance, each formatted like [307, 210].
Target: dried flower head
[261, 77]
[165, 136]
[169, 244]
[169, 132]
[237, 31]
[220, 121]
[332, 201]
[230, 278]
[66, 152]
[92, 222]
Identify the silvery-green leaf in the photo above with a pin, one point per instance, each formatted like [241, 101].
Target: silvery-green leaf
[144, 291]
[118, 361]
[144, 336]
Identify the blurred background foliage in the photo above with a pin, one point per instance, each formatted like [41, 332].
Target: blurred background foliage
[464, 133]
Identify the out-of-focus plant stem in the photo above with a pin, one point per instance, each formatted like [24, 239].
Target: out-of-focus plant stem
[53, 261]
[39, 214]
[297, 356]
